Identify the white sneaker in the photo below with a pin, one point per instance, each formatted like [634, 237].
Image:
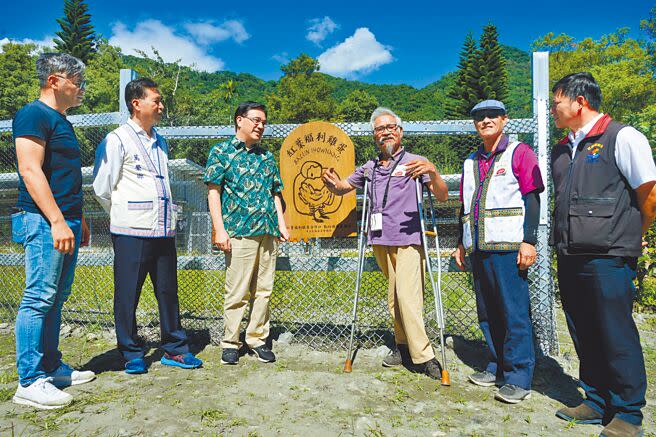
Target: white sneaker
[42, 394]
[65, 376]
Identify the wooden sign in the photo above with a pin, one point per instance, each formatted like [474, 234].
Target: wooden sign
[311, 209]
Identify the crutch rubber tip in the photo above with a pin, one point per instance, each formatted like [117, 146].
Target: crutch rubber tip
[446, 379]
[348, 366]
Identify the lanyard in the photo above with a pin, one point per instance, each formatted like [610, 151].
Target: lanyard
[389, 178]
[150, 158]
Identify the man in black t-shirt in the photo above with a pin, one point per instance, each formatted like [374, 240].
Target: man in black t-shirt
[49, 225]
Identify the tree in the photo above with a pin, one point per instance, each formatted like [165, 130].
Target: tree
[649, 27]
[77, 37]
[357, 106]
[178, 102]
[621, 66]
[102, 74]
[463, 94]
[228, 91]
[481, 74]
[302, 94]
[19, 83]
[491, 66]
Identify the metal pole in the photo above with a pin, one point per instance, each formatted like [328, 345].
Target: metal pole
[126, 76]
[542, 293]
[437, 293]
[362, 242]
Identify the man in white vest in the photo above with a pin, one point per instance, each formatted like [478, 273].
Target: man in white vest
[131, 182]
[500, 189]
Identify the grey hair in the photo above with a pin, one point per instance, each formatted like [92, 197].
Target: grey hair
[51, 63]
[384, 111]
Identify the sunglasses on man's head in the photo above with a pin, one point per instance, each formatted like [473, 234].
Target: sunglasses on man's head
[487, 113]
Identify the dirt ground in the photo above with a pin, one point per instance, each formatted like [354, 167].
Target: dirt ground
[304, 393]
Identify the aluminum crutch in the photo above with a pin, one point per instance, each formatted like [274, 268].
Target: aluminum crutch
[437, 290]
[362, 243]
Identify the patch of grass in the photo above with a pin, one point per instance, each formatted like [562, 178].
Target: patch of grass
[8, 376]
[6, 394]
[212, 417]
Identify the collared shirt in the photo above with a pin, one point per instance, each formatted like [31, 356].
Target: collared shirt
[109, 161]
[249, 179]
[632, 152]
[401, 226]
[525, 167]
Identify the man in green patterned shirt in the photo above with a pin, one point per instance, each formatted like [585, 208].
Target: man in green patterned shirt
[246, 207]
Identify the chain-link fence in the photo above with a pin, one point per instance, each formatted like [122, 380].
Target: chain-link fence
[315, 280]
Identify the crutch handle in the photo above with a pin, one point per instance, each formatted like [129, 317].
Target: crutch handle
[430, 233]
[348, 365]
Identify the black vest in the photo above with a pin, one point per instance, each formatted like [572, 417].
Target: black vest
[595, 208]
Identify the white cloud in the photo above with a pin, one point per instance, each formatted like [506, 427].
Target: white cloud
[319, 29]
[358, 54]
[170, 45]
[283, 57]
[45, 42]
[206, 32]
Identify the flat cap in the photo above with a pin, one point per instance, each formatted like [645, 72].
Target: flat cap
[488, 104]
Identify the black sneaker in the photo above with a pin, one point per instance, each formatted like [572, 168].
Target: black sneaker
[264, 354]
[432, 368]
[512, 394]
[400, 355]
[230, 356]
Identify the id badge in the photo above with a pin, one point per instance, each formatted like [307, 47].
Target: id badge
[377, 221]
[400, 170]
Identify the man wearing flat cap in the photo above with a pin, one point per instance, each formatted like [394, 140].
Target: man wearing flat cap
[499, 191]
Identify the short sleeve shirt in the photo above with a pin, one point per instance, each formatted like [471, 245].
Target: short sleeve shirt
[61, 164]
[401, 225]
[248, 178]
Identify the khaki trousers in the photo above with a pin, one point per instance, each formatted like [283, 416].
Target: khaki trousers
[403, 266]
[250, 268]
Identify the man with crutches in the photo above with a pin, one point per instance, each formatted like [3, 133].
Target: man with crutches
[394, 231]
[500, 189]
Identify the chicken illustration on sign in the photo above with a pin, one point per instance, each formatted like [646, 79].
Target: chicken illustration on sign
[312, 196]
[311, 209]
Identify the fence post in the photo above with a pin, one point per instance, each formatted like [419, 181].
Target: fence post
[126, 76]
[544, 279]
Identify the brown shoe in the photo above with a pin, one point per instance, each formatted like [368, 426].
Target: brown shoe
[620, 428]
[582, 414]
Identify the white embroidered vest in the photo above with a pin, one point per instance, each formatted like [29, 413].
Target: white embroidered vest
[501, 207]
[142, 204]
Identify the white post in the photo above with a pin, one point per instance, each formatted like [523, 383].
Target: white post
[126, 76]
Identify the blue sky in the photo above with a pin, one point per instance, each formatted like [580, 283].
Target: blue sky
[376, 42]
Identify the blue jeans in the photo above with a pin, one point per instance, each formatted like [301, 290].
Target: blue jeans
[48, 279]
[502, 303]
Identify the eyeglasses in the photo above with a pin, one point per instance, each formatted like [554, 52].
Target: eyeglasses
[487, 113]
[386, 127]
[256, 120]
[81, 84]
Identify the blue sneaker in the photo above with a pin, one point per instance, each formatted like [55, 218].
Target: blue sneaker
[136, 366]
[185, 361]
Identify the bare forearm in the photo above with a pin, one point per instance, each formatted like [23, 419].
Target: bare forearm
[340, 188]
[646, 196]
[39, 189]
[216, 213]
[648, 212]
[438, 187]
[281, 215]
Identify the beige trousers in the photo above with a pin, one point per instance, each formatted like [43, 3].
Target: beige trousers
[250, 268]
[403, 267]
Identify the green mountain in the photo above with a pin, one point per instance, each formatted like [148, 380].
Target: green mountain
[410, 103]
